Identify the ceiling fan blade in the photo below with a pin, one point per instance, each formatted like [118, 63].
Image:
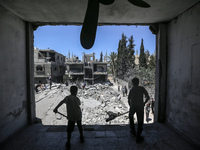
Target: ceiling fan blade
[88, 32]
[139, 3]
[106, 2]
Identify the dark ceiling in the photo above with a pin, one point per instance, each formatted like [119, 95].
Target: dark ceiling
[73, 11]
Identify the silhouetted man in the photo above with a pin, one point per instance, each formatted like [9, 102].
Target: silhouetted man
[136, 103]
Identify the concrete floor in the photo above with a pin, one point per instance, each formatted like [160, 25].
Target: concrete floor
[98, 137]
[110, 137]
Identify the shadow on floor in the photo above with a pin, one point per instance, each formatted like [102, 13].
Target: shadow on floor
[97, 137]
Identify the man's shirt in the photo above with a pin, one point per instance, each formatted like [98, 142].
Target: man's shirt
[135, 97]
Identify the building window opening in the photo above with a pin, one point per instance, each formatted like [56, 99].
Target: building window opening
[52, 57]
[101, 68]
[40, 56]
[44, 54]
[88, 73]
[39, 68]
[100, 73]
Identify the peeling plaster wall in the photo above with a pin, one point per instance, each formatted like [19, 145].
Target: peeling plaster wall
[183, 83]
[13, 93]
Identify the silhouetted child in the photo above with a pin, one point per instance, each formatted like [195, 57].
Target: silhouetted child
[74, 114]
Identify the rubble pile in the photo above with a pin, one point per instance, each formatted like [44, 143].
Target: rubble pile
[96, 101]
[99, 99]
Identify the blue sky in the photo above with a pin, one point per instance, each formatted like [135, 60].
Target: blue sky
[67, 38]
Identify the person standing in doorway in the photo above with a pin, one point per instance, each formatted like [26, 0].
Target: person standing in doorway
[136, 103]
[74, 114]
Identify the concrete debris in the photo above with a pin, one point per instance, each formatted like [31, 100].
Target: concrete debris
[58, 116]
[107, 99]
[96, 101]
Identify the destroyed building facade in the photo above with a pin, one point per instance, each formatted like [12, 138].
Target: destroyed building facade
[89, 70]
[48, 62]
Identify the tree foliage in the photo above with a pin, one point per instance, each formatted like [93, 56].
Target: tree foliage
[123, 64]
[112, 62]
[142, 57]
[131, 52]
[119, 60]
[147, 55]
[122, 56]
[152, 62]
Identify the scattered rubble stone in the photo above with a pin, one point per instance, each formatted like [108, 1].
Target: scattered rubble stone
[96, 101]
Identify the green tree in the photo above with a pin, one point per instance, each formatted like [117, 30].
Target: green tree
[147, 54]
[112, 62]
[152, 62]
[121, 57]
[142, 57]
[131, 52]
[119, 60]
[124, 54]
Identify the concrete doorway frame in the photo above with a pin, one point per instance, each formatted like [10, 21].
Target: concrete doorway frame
[160, 30]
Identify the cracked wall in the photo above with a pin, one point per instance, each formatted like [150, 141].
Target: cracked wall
[13, 93]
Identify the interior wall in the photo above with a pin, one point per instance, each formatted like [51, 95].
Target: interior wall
[161, 74]
[183, 78]
[13, 81]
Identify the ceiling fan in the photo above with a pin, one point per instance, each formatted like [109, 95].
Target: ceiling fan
[88, 32]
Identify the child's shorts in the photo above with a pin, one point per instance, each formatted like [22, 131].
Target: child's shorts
[71, 125]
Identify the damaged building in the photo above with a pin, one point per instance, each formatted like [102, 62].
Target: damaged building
[89, 70]
[48, 64]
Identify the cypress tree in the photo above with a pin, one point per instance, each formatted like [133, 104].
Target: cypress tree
[124, 54]
[119, 60]
[142, 57]
[131, 52]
